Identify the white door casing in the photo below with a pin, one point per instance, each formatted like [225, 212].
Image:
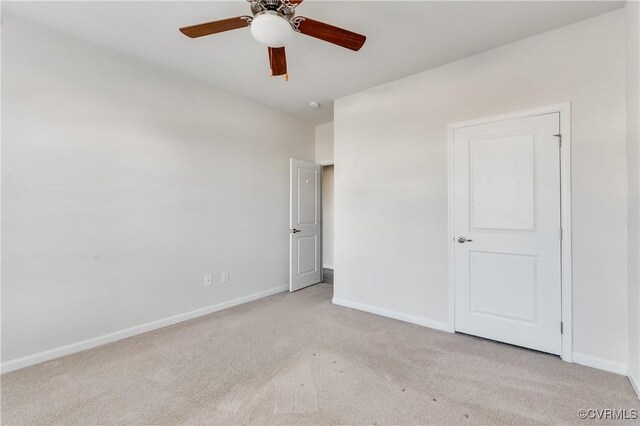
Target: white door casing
[507, 205]
[305, 245]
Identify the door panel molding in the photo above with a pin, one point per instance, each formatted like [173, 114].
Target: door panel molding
[564, 110]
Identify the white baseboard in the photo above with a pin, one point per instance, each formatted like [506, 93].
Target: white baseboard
[442, 326]
[635, 384]
[327, 266]
[72, 348]
[578, 358]
[600, 364]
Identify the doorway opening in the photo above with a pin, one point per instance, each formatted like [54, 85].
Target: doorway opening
[310, 224]
[327, 224]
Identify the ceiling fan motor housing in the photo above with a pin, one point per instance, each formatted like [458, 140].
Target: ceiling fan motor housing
[272, 4]
[283, 7]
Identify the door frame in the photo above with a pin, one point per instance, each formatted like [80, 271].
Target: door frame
[564, 109]
[326, 164]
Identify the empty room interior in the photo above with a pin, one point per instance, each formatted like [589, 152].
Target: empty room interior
[320, 212]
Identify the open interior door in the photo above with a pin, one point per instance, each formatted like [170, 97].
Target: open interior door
[305, 263]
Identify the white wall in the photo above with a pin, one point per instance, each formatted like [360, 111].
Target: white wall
[327, 217]
[391, 177]
[123, 185]
[632, 10]
[324, 143]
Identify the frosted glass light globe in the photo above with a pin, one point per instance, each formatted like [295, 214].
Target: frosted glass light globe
[271, 29]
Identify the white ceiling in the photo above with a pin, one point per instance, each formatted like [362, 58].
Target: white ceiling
[402, 38]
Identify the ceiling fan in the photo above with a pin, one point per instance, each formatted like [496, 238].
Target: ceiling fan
[273, 24]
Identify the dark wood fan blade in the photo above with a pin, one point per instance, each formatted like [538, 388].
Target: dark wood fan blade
[277, 61]
[216, 26]
[332, 34]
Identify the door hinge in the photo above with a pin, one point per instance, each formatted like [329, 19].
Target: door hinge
[559, 136]
[561, 327]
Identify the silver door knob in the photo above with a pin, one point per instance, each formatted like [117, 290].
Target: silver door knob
[463, 240]
[293, 231]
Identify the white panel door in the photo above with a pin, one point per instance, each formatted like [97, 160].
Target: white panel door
[305, 265]
[507, 255]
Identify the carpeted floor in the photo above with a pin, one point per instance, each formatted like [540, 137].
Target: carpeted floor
[298, 359]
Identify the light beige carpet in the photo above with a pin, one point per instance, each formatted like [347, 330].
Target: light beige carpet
[298, 359]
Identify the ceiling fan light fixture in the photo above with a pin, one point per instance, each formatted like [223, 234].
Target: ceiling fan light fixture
[271, 29]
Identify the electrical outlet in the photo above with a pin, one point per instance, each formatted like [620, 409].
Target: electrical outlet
[208, 280]
[225, 277]
[371, 280]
